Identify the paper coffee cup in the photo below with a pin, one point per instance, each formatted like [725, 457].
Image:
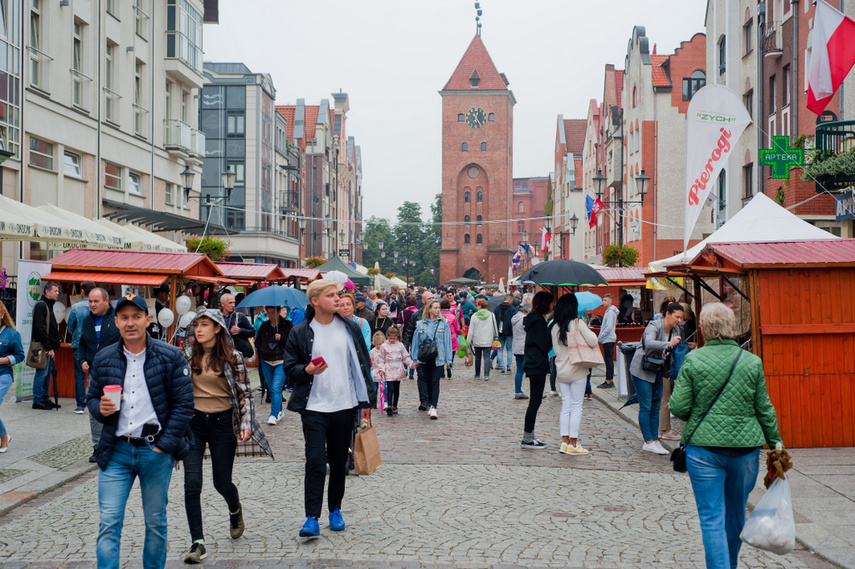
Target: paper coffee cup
[114, 392]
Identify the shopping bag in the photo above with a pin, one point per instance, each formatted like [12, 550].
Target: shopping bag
[462, 346]
[771, 526]
[366, 450]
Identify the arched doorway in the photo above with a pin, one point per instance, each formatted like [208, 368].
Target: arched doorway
[473, 273]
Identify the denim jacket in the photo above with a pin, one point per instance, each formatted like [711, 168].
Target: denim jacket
[76, 314]
[425, 330]
[10, 347]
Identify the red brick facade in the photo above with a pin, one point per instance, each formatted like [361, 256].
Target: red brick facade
[477, 111]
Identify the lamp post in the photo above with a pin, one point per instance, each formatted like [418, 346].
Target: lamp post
[382, 252]
[641, 182]
[301, 224]
[406, 238]
[228, 179]
[341, 242]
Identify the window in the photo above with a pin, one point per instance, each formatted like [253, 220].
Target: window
[109, 82]
[467, 197]
[634, 96]
[139, 111]
[465, 147]
[168, 110]
[235, 125]
[483, 147]
[521, 207]
[112, 176]
[722, 55]
[491, 117]
[184, 98]
[466, 239]
[239, 169]
[748, 99]
[77, 76]
[140, 18]
[787, 85]
[773, 96]
[478, 220]
[111, 7]
[460, 117]
[466, 219]
[71, 166]
[748, 37]
[41, 154]
[168, 193]
[479, 196]
[748, 181]
[693, 84]
[478, 239]
[184, 33]
[36, 55]
[520, 227]
[134, 183]
[474, 81]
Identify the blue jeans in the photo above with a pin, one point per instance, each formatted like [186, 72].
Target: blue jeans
[154, 470]
[6, 381]
[518, 378]
[79, 378]
[275, 384]
[721, 485]
[41, 383]
[649, 398]
[506, 352]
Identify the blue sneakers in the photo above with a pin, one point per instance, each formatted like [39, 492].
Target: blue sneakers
[336, 521]
[311, 528]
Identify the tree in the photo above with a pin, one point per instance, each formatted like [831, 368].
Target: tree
[377, 230]
[410, 237]
[547, 207]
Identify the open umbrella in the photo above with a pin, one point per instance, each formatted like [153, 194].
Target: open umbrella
[276, 295]
[563, 272]
[494, 301]
[588, 301]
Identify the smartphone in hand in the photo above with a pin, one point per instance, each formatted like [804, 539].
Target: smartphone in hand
[318, 361]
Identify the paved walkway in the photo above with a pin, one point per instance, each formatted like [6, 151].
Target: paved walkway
[457, 492]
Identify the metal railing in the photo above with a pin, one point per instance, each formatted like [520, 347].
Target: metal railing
[832, 140]
[39, 69]
[80, 89]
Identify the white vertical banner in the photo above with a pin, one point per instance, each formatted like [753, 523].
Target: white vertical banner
[30, 275]
[715, 120]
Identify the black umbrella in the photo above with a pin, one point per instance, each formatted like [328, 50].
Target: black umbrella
[563, 272]
[494, 301]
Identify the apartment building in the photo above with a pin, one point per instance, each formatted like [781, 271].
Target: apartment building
[568, 199]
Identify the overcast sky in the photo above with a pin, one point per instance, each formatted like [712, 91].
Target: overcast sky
[392, 57]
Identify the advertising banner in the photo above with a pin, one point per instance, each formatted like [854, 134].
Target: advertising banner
[30, 275]
[715, 120]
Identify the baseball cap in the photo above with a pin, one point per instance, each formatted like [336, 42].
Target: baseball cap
[360, 297]
[137, 301]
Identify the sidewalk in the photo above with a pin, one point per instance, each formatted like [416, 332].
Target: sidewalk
[821, 481]
[48, 449]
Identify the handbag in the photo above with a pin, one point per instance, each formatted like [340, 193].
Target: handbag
[366, 450]
[36, 356]
[678, 455]
[428, 351]
[497, 343]
[653, 362]
[581, 353]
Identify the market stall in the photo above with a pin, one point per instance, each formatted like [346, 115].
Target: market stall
[252, 275]
[801, 301]
[623, 281]
[336, 264]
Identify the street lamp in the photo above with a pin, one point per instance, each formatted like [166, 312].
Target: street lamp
[406, 238]
[382, 252]
[574, 222]
[641, 182]
[228, 178]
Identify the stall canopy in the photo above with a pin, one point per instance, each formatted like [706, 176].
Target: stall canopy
[382, 282]
[336, 264]
[761, 220]
[139, 239]
[21, 222]
[302, 274]
[398, 282]
[358, 268]
[252, 273]
[624, 276]
[93, 232]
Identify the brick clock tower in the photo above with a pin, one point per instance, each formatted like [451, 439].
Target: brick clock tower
[477, 169]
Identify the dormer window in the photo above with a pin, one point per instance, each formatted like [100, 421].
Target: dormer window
[474, 79]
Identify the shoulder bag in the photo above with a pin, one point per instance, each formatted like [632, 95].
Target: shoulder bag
[678, 455]
[581, 353]
[497, 343]
[654, 362]
[428, 351]
[36, 355]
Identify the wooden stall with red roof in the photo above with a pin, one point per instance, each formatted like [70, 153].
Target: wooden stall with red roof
[621, 279]
[801, 296]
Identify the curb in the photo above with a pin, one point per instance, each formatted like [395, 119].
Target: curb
[57, 479]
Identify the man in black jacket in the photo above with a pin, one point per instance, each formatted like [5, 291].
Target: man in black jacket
[239, 325]
[144, 435]
[328, 362]
[46, 331]
[98, 331]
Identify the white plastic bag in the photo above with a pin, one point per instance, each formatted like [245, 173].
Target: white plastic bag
[771, 526]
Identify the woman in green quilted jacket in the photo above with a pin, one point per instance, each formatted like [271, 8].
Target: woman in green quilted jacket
[722, 455]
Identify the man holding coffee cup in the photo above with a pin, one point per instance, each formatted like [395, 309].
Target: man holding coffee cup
[144, 434]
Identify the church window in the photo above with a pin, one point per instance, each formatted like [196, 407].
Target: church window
[479, 196]
[473, 172]
[465, 147]
[467, 197]
[521, 207]
[460, 117]
[483, 147]
[520, 227]
[478, 239]
[466, 219]
[491, 117]
[478, 220]
[466, 239]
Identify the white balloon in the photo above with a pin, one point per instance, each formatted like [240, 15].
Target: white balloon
[182, 305]
[59, 311]
[186, 319]
[166, 317]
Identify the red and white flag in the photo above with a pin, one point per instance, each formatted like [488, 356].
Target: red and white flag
[595, 209]
[832, 55]
[545, 236]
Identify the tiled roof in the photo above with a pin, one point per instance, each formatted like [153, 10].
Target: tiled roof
[660, 78]
[311, 119]
[154, 262]
[476, 60]
[807, 252]
[622, 274]
[619, 84]
[288, 112]
[574, 134]
[254, 271]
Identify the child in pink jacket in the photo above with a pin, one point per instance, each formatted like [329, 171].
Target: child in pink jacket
[390, 362]
[456, 330]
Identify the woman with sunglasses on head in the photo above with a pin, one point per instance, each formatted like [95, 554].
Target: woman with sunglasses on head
[224, 412]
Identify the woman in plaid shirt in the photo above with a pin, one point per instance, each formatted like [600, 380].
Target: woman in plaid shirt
[223, 420]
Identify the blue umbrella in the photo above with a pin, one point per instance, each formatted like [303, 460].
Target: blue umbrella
[276, 295]
[588, 301]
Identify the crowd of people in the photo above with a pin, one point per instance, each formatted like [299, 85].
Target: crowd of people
[348, 352]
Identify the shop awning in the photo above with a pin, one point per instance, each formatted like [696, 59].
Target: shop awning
[93, 232]
[305, 274]
[105, 278]
[138, 239]
[158, 220]
[21, 222]
[252, 271]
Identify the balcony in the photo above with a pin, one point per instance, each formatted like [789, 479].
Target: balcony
[772, 40]
[182, 139]
[289, 201]
[833, 161]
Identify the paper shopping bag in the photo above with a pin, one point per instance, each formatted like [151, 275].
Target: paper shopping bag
[366, 451]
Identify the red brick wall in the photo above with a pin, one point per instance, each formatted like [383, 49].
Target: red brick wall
[689, 57]
[796, 191]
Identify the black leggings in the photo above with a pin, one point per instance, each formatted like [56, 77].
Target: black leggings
[393, 390]
[537, 383]
[482, 354]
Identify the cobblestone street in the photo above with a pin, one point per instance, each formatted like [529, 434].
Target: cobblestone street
[457, 492]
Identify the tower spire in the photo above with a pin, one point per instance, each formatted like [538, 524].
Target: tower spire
[478, 13]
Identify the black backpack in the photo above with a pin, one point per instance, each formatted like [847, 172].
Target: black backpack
[503, 319]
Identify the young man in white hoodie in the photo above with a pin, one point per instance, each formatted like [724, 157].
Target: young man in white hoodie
[607, 338]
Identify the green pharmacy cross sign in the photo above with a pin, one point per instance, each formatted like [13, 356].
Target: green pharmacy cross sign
[780, 157]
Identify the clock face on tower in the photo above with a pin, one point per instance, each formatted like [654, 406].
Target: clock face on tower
[476, 117]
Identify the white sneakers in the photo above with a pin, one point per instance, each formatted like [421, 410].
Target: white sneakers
[432, 413]
[655, 447]
[273, 419]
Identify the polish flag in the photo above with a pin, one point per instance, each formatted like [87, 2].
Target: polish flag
[832, 55]
[545, 236]
[595, 209]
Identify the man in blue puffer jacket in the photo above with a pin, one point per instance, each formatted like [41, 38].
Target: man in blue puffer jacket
[144, 435]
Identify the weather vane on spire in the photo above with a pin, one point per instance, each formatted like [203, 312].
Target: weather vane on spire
[478, 18]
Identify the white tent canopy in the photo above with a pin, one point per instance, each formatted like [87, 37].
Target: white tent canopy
[382, 282]
[21, 222]
[138, 239]
[761, 220]
[94, 233]
[398, 282]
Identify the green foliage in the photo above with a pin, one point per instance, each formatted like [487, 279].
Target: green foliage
[215, 248]
[313, 262]
[826, 163]
[616, 255]
[372, 271]
[780, 198]
[547, 207]
[799, 141]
